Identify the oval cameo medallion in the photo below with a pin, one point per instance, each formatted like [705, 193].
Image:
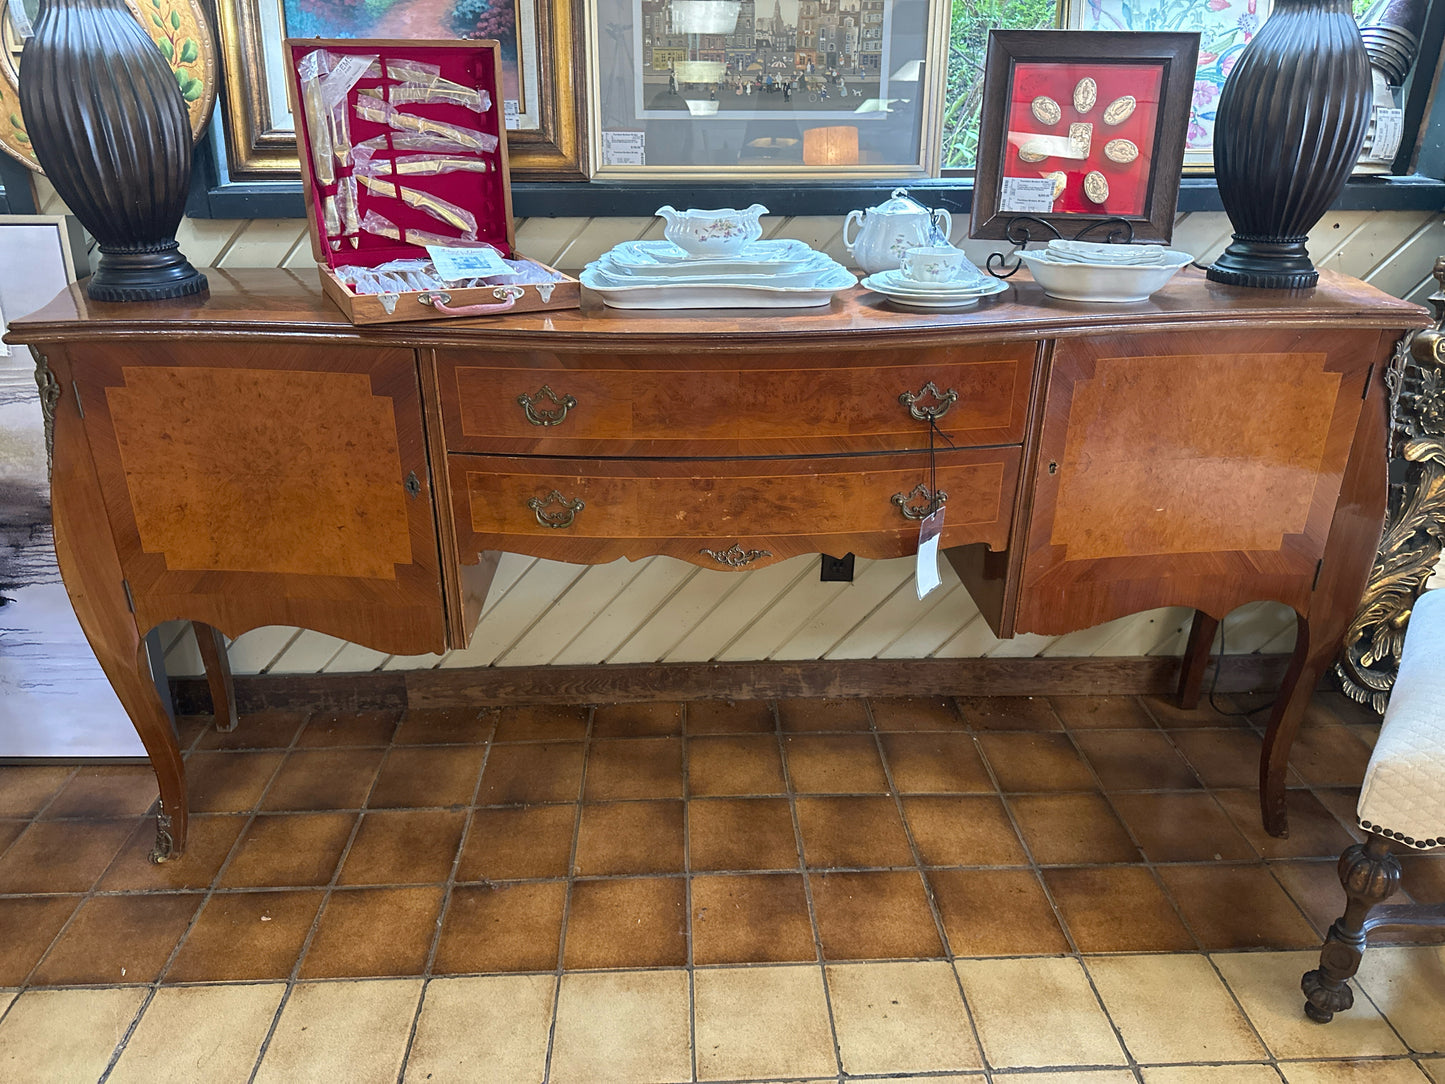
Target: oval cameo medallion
[1120, 110]
[1122, 151]
[1046, 110]
[1096, 187]
[1085, 95]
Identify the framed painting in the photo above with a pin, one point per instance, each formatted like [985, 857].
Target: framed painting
[767, 88]
[1081, 129]
[1224, 27]
[544, 106]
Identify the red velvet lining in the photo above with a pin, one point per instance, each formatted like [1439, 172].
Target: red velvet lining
[482, 194]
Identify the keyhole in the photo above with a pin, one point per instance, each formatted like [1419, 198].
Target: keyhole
[1053, 468]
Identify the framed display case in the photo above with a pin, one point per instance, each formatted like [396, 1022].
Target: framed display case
[542, 82]
[1224, 31]
[1081, 128]
[767, 88]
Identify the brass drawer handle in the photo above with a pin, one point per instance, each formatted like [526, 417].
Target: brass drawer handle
[945, 399]
[561, 518]
[932, 502]
[736, 556]
[555, 416]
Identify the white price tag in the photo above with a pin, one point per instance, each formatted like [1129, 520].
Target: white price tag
[454, 264]
[925, 572]
[1389, 128]
[624, 148]
[512, 112]
[1026, 195]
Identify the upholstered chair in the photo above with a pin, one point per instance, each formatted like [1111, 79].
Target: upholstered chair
[1402, 805]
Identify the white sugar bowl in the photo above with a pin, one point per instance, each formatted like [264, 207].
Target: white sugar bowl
[724, 232]
[889, 230]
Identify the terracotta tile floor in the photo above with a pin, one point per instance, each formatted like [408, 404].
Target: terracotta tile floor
[978, 889]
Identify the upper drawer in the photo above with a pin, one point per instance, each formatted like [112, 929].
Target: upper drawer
[788, 403]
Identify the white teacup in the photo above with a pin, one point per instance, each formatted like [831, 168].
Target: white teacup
[937, 264]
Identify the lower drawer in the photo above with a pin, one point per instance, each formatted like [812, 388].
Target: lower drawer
[726, 513]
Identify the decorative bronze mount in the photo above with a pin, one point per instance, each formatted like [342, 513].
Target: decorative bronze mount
[1415, 517]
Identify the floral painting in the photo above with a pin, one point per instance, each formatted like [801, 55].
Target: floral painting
[411, 19]
[1225, 27]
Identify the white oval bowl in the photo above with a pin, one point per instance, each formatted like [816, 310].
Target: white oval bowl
[1115, 284]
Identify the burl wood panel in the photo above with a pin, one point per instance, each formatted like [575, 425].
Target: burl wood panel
[312, 491]
[252, 484]
[802, 403]
[786, 507]
[1185, 474]
[1189, 470]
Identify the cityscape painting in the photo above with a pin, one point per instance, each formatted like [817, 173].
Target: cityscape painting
[734, 59]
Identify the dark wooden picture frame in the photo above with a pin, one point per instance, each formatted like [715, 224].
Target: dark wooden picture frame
[1150, 208]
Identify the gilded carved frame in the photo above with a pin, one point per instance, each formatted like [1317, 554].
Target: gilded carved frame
[260, 134]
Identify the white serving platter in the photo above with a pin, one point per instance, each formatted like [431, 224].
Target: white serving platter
[703, 295]
[663, 258]
[808, 273]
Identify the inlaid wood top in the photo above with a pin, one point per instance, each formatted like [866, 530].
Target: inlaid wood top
[271, 302]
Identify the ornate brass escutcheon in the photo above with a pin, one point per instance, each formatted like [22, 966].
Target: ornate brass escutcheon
[931, 502]
[562, 518]
[943, 400]
[412, 484]
[555, 416]
[735, 556]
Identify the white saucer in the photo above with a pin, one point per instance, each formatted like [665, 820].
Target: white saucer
[897, 282]
[931, 299]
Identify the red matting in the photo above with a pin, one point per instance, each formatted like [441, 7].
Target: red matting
[1128, 183]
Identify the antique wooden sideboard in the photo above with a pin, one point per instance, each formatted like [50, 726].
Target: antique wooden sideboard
[248, 457]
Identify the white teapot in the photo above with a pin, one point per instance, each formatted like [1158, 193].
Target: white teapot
[889, 230]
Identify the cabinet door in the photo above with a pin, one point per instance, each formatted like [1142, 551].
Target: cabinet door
[1188, 469]
[254, 484]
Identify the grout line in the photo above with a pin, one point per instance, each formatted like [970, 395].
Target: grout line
[923, 874]
[822, 959]
[426, 975]
[561, 970]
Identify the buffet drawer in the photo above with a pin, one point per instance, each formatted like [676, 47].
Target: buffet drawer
[819, 402]
[725, 514]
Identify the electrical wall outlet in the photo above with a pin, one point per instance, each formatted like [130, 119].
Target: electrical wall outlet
[836, 569]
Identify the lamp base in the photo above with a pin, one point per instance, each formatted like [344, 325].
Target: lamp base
[147, 273]
[1265, 264]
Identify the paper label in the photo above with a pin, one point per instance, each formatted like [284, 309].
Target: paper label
[512, 113]
[627, 149]
[1026, 195]
[348, 71]
[454, 264]
[1389, 128]
[925, 571]
[21, 19]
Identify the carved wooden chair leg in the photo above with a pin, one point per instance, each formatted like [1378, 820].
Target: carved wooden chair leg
[1402, 789]
[1370, 875]
[1196, 659]
[218, 675]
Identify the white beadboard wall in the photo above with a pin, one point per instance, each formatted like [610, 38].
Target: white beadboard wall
[663, 610]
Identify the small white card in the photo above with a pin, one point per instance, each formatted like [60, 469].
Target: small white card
[925, 572]
[512, 113]
[1026, 195]
[1389, 128]
[453, 264]
[624, 148]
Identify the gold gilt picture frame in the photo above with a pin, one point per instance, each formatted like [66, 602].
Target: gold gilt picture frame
[542, 50]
